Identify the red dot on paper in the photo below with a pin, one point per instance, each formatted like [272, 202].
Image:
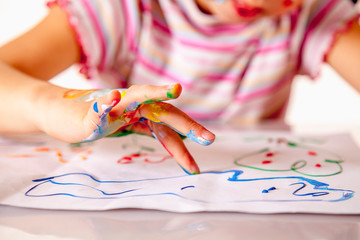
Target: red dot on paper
[270, 154]
[124, 161]
[318, 165]
[311, 153]
[266, 162]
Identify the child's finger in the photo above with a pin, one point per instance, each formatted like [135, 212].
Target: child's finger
[136, 95]
[137, 127]
[144, 93]
[85, 95]
[97, 120]
[171, 141]
[176, 119]
[175, 146]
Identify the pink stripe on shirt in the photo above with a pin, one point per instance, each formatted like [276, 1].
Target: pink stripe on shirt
[130, 26]
[98, 30]
[246, 97]
[161, 71]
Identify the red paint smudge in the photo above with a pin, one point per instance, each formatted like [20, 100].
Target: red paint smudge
[158, 161]
[129, 159]
[311, 153]
[124, 160]
[270, 154]
[266, 161]
[318, 165]
[288, 3]
[113, 114]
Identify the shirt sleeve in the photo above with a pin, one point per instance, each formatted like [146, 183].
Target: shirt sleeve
[323, 19]
[103, 31]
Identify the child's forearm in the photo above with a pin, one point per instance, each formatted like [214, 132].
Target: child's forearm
[344, 56]
[25, 62]
[20, 95]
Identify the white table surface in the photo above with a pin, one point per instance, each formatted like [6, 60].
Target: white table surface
[21, 223]
[24, 223]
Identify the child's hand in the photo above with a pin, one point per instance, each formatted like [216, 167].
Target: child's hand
[93, 114]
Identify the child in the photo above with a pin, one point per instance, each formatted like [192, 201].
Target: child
[235, 60]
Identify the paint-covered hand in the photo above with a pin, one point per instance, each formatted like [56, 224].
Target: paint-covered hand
[141, 109]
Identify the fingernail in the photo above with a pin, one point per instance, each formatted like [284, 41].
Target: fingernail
[208, 135]
[174, 90]
[204, 139]
[193, 170]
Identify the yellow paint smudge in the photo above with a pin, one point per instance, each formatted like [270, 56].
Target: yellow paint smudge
[73, 93]
[123, 93]
[155, 112]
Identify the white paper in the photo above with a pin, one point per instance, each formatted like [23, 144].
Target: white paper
[243, 171]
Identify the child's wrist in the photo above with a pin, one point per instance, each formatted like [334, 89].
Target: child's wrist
[42, 104]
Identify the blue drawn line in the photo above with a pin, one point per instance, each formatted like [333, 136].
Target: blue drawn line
[234, 177]
[267, 190]
[191, 186]
[347, 194]
[303, 185]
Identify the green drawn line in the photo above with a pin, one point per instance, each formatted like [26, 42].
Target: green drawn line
[295, 166]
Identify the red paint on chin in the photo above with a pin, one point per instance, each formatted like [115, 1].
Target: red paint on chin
[247, 11]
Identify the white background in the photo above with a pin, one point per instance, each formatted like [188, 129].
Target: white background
[327, 101]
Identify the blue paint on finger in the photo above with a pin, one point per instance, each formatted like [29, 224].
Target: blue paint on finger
[132, 106]
[186, 171]
[192, 136]
[95, 107]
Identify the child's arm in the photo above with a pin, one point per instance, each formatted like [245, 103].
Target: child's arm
[37, 55]
[29, 103]
[344, 56]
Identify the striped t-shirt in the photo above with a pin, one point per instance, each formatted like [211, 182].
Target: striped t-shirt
[229, 72]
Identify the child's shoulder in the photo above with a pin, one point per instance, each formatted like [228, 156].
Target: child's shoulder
[322, 13]
[323, 7]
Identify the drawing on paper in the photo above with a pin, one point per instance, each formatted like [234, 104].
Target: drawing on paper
[282, 155]
[295, 189]
[242, 172]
